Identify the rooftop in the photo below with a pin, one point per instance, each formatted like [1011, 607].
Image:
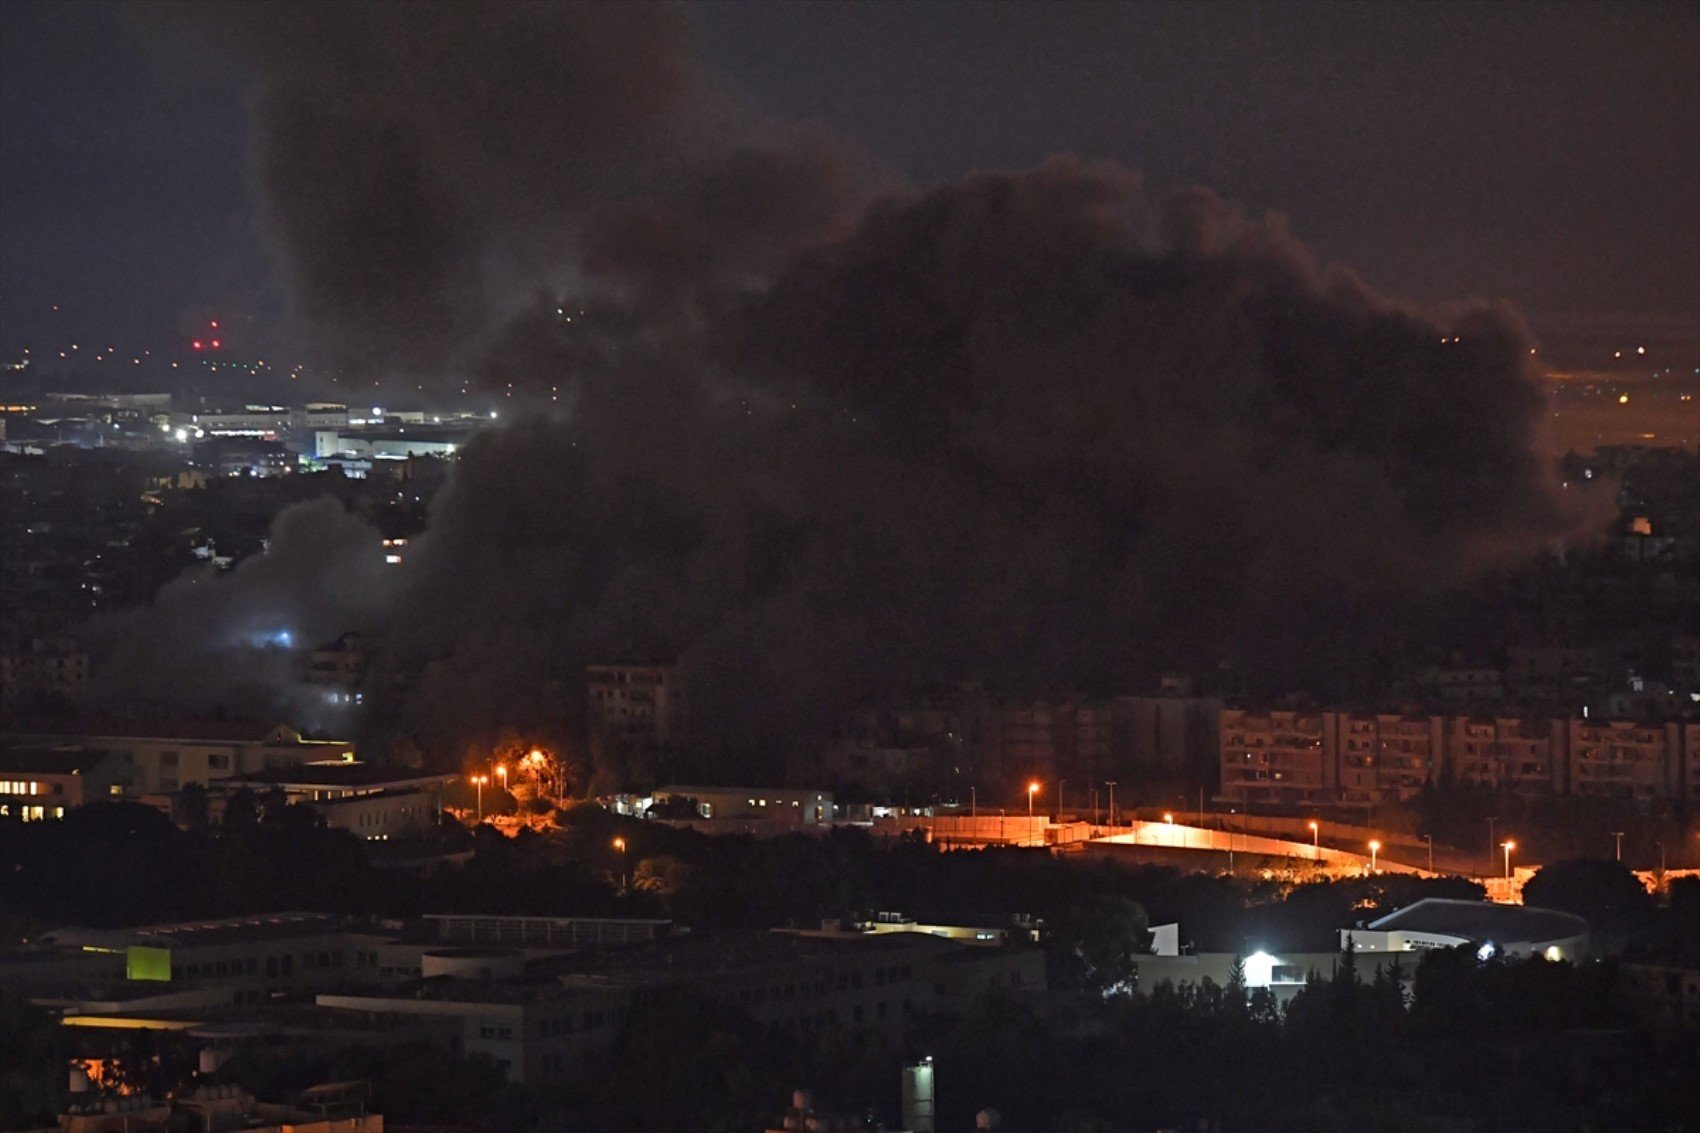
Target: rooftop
[1483, 920]
[234, 731]
[41, 760]
[265, 927]
[339, 774]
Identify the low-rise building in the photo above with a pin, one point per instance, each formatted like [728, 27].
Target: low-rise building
[39, 783]
[778, 806]
[373, 802]
[1494, 929]
[537, 1025]
[135, 760]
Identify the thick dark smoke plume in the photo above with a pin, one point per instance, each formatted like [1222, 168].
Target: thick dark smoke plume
[1035, 427]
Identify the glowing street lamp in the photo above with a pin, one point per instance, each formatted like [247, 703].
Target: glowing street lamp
[480, 780]
[1032, 789]
[1508, 847]
[1169, 818]
[620, 847]
[502, 774]
[1315, 840]
[1374, 849]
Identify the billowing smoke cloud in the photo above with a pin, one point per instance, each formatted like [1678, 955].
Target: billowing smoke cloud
[233, 644]
[1035, 427]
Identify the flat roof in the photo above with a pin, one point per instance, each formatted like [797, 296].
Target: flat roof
[242, 731]
[340, 774]
[1482, 920]
[46, 761]
[266, 926]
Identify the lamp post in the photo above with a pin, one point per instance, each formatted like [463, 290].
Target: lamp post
[1508, 847]
[1374, 849]
[1060, 784]
[502, 774]
[1315, 840]
[1032, 789]
[1429, 838]
[1491, 820]
[479, 781]
[620, 845]
[1112, 785]
[1618, 834]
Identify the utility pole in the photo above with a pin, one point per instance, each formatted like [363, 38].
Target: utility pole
[1112, 785]
[1429, 838]
[1060, 784]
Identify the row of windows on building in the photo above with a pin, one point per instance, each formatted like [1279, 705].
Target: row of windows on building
[31, 813]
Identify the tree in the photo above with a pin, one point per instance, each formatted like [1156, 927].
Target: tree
[33, 1073]
[1098, 943]
[1606, 894]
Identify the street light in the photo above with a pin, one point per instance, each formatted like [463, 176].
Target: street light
[502, 774]
[1374, 849]
[1112, 785]
[1429, 838]
[1169, 818]
[1032, 789]
[480, 780]
[1315, 840]
[1618, 834]
[1508, 847]
[620, 845]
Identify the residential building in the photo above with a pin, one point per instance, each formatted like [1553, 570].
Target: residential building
[39, 783]
[1623, 759]
[42, 673]
[339, 667]
[1525, 756]
[642, 704]
[1278, 756]
[158, 759]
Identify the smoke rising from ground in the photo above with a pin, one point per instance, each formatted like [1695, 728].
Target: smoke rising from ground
[821, 441]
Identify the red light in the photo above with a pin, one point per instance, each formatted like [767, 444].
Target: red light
[215, 324]
[197, 344]
[215, 344]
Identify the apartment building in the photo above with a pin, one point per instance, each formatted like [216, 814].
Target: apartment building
[643, 704]
[1361, 759]
[1623, 759]
[1279, 756]
[1506, 753]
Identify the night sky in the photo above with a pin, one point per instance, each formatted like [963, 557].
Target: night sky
[1549, 154]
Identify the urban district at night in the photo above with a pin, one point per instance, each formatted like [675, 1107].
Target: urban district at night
[1045, 566]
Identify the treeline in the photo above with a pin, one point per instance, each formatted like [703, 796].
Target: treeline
[122, 864]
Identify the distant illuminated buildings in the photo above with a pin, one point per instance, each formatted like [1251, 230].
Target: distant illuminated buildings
[1352, 759]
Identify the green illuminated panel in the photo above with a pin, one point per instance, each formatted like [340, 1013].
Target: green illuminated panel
[142, 962]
